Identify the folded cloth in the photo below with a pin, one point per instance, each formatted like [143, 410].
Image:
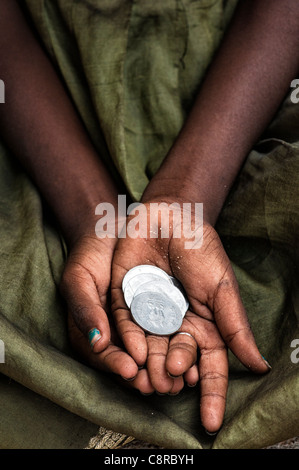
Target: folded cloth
[132, 70]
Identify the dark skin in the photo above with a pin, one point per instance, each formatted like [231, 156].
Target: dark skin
[244, 87]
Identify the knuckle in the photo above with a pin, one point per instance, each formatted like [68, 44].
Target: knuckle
[217, 348]
[213, 375]
[131, 331]
[182, 345]
[237, 334]
[71, 276]
[213, 395]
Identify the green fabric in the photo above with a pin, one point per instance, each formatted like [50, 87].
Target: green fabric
[132, 69]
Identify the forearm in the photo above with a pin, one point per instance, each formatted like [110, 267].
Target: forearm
[245, 85]
[40, 125]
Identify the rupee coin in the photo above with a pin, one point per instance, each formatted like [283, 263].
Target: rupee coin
[156, 313]
[165, 288]
[136, 282]
[143, 269]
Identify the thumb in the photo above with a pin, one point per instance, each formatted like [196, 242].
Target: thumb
[232, 322]
[86, 306]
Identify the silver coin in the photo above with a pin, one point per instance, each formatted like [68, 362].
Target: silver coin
[143, 269]
[156, 313]
[137, 281]
[179, 285]
[165, 288]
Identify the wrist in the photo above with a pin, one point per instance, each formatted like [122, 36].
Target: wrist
[79, 216]
[184, 191]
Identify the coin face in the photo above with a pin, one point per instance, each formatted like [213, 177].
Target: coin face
[157, 301]
[143, 269]
[156, 313]
[135, 283]
[165, 288]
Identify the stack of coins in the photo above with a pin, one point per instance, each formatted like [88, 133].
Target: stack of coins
[157, 301]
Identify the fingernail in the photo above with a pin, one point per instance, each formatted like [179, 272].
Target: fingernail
[130, 379]
[211, 433]
[173, 376]
[192, 385]
[94, 336]
[267, 363]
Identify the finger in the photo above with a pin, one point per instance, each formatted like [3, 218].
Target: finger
[191, 377]
[85, 305]
[213, 369]
[132, 336]
[178, 385]
[233, 324]
[156, 365]
[142, 382]
[113, 359]
[182, 352]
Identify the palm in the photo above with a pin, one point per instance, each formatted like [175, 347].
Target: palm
[85, 286]
[216, 319]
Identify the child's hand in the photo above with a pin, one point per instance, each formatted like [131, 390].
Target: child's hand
[216, 318]
[85, 286]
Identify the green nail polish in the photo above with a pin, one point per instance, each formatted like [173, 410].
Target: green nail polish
[267, 362]
[93, 336]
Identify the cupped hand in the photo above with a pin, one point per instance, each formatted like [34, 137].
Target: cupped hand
[216, 319]
[85, 286]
